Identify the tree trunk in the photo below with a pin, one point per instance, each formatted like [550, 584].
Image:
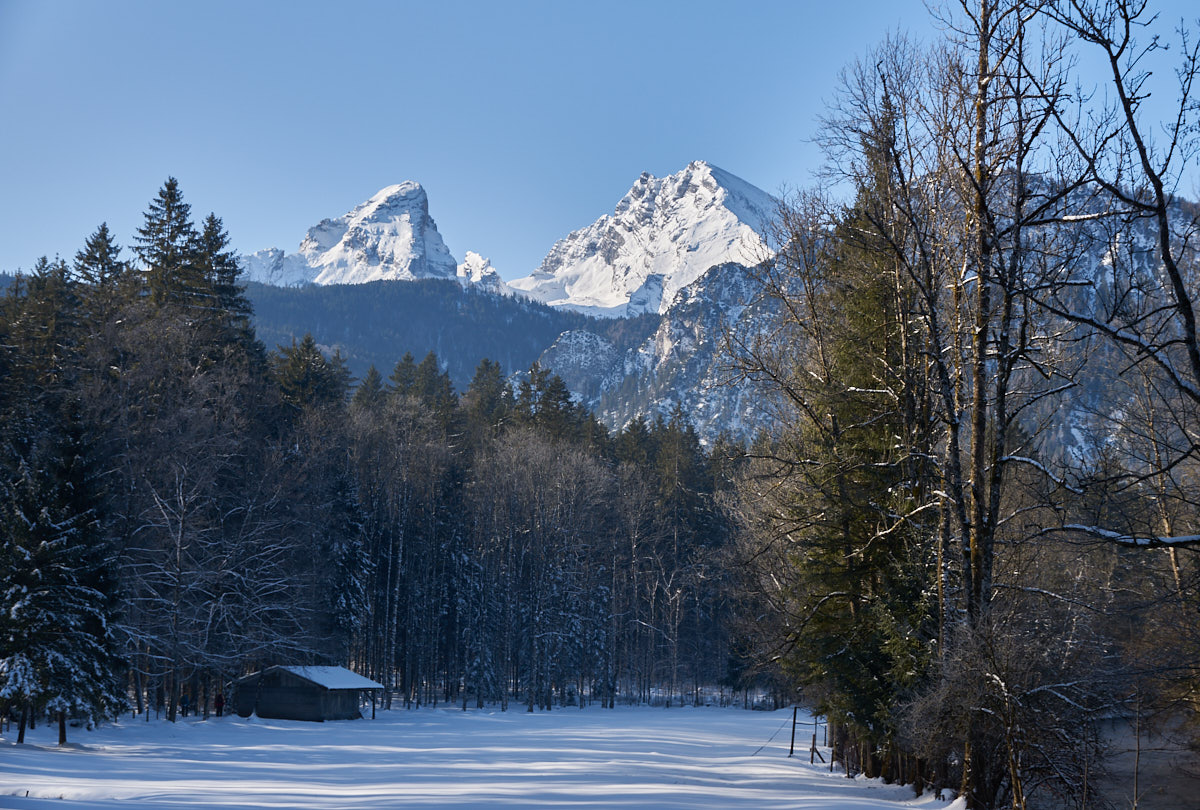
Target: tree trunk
[172, 696]
[978, 534]
[62, 727]
[136, 675]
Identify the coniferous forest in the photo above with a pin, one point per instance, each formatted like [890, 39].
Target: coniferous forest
[968, 539]
[181, 506]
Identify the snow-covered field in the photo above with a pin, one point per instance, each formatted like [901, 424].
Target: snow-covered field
[441, 758]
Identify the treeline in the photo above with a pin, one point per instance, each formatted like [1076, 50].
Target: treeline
[179, 506]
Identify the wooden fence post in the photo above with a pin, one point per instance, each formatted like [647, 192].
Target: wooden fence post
[792, 749]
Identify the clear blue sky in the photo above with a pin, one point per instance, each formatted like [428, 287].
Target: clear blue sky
[523, 120]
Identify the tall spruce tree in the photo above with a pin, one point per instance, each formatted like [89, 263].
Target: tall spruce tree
[487, 401]
[104, 278]
[432, 387]
[57, 593]
[404, 376]
[167, 245]
[220, 266]
[846, 479]
[306, 378]
[370, 393]
[99, 262]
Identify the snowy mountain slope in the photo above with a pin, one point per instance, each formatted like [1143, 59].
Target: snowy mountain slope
[390, 236]
[273, 266]
[653, 255]
[664, 234]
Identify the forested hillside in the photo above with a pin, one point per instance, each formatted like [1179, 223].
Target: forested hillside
[180, 506]
[376, 323]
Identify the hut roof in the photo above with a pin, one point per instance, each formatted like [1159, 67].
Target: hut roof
[334, 677]
[328, 677]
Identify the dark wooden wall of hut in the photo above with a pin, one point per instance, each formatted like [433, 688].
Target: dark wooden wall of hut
[280, 695]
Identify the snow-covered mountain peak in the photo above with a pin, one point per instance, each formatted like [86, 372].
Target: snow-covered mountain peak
[391, 202]
[475, 268]
[390, 236]
[663, 234]
[478, 272]
[700, 187]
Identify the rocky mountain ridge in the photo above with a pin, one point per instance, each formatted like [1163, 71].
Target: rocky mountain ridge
[389, 237]
[663, 235]
[651, 257]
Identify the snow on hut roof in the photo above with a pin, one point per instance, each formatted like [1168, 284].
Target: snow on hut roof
[334, 677]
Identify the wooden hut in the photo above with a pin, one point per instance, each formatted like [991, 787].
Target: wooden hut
[303, 693]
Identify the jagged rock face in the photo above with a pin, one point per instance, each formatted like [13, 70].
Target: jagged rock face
[588, 363]
[478, 272]
[664, 234]
[684, 363]
[390, 236]
[681, 363]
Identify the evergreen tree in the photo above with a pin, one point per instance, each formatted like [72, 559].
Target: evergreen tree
[556, 412]
[166, 244]
[432, 385]
[431, 390]
[341, 564]
[679, 462]
[844, 476]
[634, 444]
[219, 265]
[99, 262]
[726, 458]
[404, 376]
[529, 392]
[544, 401]
[488, 400]
[306, 378]
[57, 600]
[370, 393]
[44, 330]
[106, 283]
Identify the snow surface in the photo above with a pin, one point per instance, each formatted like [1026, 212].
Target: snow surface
[663, 235]
[442, 758]
[334, 677]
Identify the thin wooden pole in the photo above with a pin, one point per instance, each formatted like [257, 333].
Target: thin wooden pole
[792, 749]
[812, 751]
